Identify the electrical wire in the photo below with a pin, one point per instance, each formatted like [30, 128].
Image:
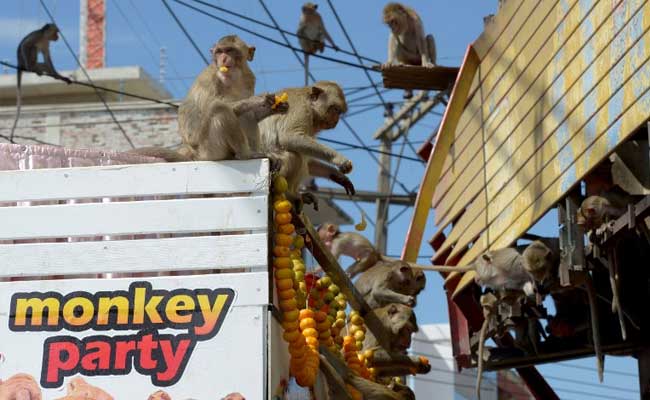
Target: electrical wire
[96, 87]
[91, 123]
[609, 371]
[268, 39]
[67, 44]
[187, 34]
[366, 148]
[277, 27]
[363, 110]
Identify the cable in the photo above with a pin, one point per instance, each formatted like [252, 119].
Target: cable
[363, 110]
[143, 43]
[277, 27]
[289, 46]
[367, 96]
[90, 123]
[621, 373]
[353, 146]
[372, 146]
[155, 37]
[67, 44]
[187, 34]
[96, 87]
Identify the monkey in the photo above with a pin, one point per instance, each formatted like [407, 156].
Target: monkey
[160, 395]
[357, 246]
[234, 396]
[407, 43]
[338, 374]
[312, 34]
[595, 211]
[388, 282]
[20, 387]
[35, 42]
[218, 120]
[79, 389]
[499, 269]
[291, 137]
[399, 320]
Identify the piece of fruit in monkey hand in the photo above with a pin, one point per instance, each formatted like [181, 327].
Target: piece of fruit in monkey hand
[361, 226]
[223, 68]
[283, 98]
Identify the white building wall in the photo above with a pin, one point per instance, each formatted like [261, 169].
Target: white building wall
[443, 382]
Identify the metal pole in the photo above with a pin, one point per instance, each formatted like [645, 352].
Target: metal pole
[383, 186]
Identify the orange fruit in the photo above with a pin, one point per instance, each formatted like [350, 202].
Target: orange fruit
[286, 294]
[290, 316]
[284, 284]
[287, 229]
[288, 305]
[282, 262]
[306, 313]
[310, 332]
[359, 335]
[312, 341]
[307, 323]
[290, 325]
[348, 340]
[282, 206]
[281, 251]
[283, 218]
[282, 239]
[284, 273]
[291, 336]
[320, 316]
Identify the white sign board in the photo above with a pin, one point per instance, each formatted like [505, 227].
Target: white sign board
[195, 337]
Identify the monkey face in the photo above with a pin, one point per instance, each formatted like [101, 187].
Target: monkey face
[327, 104]
[230, 51]
[327, 231]
[401, 320]
[396, 21]
[309, 8]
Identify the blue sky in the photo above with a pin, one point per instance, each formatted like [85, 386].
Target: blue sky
[134, 41]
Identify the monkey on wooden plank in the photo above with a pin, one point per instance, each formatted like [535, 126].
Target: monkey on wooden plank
[499, 269]
[20, 387]
[388, 282]
[34, 43]
[358, 247]
[407, 43]
[291, 137]
[218, 120]
[400, 322]
[312, 34]
[338, 374]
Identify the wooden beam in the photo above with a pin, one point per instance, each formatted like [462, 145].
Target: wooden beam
[418, 77]
[331, 266]
[441, 148]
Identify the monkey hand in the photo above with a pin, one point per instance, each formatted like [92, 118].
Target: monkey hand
[345, 182]
[345, 165]
[428, 64]
[423, 366]
[411, 301]
[309, 198]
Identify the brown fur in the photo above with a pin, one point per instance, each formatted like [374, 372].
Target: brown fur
[387, 282]
[312, 34]
[292, 137]
[407, 43]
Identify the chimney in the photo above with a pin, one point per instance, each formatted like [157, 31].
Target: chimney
[92, 38]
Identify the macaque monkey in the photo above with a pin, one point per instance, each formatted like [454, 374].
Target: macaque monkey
[338, 375]
[358, 247]
[218, 118]
[597, 210]
[399, 320]
[292, 137]
[20, 387]
[388, 282]
[79, 389]
[498, 270]
[407, 43]
[312, 34]
[35, 42]
[160, 395]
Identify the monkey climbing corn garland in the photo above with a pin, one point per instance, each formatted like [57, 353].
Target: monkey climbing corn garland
[298, 333]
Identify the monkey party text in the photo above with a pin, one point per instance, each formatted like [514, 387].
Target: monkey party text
[140, 308]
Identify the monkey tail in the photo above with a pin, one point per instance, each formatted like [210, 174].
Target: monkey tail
[595, 333]
[306, 69]
[481, 345]
[19, 101]
[160, 152]
[444, 268]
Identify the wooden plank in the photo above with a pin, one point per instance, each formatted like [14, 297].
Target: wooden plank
[146, 255]
[588, 148]
[135, 180]
[524, 62]
[513, 153]
[137, 217]
[332, 268]
[418, 78]
[434, 166]
[475, 213]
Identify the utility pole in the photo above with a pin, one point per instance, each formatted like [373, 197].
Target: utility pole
[383, 185]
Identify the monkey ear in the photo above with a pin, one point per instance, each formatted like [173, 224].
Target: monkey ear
[404, 269]
[251, 53]
[315, 92]
[331, 228]
[315, 6]
[487, 257]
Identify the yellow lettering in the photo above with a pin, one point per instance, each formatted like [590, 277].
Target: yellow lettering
[180, 302]
[87, 311]
[37, 307]
[210, 314]
[120, 303]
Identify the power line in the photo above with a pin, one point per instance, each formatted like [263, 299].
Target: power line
[128, 139]
[366, 148]
[90, 123]
[277, 27]
[187, 34]
[155, 37]
[363, 110]
[287, 45]
[613, 372]
[96, 87]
